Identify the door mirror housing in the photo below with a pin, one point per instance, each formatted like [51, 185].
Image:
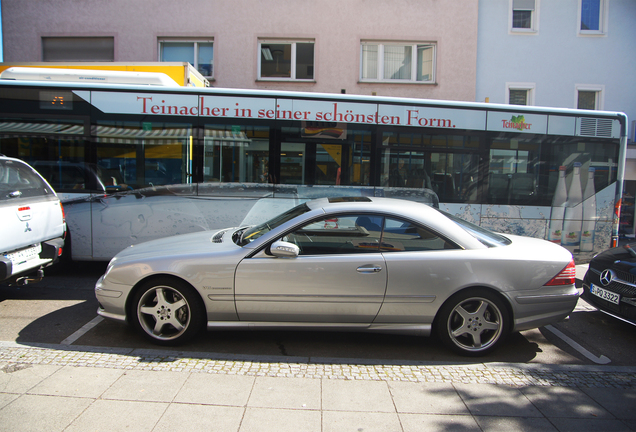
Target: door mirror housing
[283, 249]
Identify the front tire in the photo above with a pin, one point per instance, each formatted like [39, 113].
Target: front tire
[473, 322]
[168, 313]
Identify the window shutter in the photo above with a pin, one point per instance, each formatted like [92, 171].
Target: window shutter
[523, 5]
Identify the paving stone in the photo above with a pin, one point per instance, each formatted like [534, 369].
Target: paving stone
[17, 358]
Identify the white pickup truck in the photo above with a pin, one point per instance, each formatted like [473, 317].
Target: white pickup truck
[32, 226]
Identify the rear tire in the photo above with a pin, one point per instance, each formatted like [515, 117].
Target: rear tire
[167, 312]
[473, 322]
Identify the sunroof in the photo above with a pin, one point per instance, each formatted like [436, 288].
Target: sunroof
[349, 199]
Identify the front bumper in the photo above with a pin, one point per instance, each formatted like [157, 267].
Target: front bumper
[111, 299]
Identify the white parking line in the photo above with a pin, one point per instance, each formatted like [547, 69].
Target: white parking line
[598, 360]
[81, 332]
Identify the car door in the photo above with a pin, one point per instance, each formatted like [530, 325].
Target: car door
[424, 268]
[339, 276]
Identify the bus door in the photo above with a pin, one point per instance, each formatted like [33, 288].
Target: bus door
[314, 163]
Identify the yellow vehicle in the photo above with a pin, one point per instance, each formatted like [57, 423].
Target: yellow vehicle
[184, 74]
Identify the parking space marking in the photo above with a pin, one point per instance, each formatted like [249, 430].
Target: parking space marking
[82, 331]
[598, 360]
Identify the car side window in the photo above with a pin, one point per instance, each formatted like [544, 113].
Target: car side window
[349, 234]
[401, 236]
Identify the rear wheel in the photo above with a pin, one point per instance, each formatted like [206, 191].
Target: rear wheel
[473, 322]
[167, 313]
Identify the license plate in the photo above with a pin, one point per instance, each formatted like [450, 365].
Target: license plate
[605, 294]
[24, 255]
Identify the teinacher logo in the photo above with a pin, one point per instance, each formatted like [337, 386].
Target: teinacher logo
[516, 122]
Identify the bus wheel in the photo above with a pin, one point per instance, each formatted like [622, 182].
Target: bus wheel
[473, 322]
[167, 313]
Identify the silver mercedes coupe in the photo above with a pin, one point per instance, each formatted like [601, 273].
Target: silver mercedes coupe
[351, 264]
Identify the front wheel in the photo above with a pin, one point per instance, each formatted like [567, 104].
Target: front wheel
[473, 322]
[167, 313]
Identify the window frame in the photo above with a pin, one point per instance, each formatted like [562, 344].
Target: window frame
[195, 42]
[380, 62]
[293, 72]
[534, 19]
[596, 88]
[602, 20]
[529, 87]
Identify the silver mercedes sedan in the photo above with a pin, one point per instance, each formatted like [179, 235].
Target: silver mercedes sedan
[352, 264]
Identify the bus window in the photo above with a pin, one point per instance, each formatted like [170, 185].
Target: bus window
[358, 159]
[340, 157]
[292, 163]
[234, 154]
[47, 146]
[137, 155]
[446, 164]
[515, 170]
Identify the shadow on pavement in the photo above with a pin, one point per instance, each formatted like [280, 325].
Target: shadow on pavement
[54, 327]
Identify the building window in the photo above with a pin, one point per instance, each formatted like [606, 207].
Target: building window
[592, 15]
[78, 49]
[518, 97]
[393, 62]
[524, 15]
[199, 54]
[589, 97]
[286, 60]
[520, 93]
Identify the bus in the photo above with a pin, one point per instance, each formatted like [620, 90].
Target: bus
[133, 163]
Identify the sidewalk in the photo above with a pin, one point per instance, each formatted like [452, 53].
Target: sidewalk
[64, 388]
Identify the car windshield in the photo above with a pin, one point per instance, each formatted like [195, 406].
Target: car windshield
[250, 234]
[488, 238]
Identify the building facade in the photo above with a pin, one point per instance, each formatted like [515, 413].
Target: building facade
[565, 53]
[412, 48]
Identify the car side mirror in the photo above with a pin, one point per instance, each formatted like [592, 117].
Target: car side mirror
[283, 249]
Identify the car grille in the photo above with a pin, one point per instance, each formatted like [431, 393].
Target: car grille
[624, 283]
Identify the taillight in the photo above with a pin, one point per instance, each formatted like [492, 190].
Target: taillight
[63, 214]
[566, 277]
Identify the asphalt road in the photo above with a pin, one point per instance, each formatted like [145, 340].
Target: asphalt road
[61, 309]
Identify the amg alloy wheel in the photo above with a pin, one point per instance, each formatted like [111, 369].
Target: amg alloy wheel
[473, 322]
[167, 313]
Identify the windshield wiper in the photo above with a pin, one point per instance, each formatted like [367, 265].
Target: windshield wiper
[237, 237]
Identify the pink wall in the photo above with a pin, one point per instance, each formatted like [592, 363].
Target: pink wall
[336, 26]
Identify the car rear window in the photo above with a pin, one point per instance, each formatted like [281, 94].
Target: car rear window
[485, 236]
[18, 180]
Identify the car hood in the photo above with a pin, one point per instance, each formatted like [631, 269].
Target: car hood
[617, 259]
[203, 242]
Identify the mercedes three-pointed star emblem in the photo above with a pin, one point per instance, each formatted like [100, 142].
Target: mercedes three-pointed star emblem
[606, 277]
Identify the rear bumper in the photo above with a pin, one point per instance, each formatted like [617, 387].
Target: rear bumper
[12, 272]
[538, 309]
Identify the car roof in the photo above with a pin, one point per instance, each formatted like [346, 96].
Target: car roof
[370, 204]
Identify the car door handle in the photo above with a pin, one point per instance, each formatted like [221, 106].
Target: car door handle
[369, 269]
